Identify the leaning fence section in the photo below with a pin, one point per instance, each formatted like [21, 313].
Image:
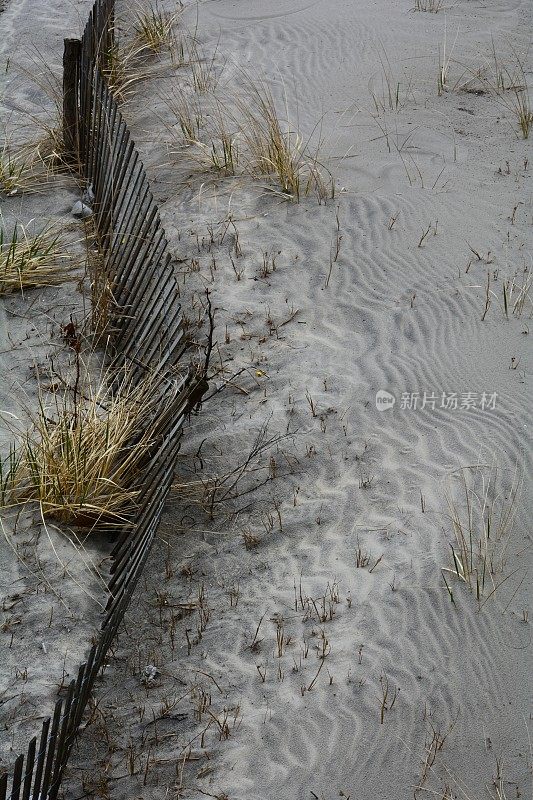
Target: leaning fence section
[144, 335]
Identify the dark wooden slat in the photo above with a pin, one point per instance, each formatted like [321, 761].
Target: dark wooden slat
[130, 232]
[145, 215]
[62, 744]
[3, 786]
[127, 204]
[130, 293]
[52, 742]
[150, 513]
[71, 73]
[104, 144]
[96, 130]
[159, 476]
[108, 139]
[41, 755]
[122, 170]
[30, 761]
[150, 333]
[17, 778]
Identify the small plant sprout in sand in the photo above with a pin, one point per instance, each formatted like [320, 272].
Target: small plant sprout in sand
[434, 744]
[521, 107]
[82, 455]
[514, 81]
[515, 294]
[387, 697]
[394, 93]
[482, 511]
[445, 58]
[27, 261]
[509, 84]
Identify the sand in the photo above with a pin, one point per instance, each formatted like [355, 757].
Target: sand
[295, 639]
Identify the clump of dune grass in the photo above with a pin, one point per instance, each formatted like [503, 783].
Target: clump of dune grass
[212, 139]
[445, 59]
[482, 513]
[122, 68]
[83, 454]
[220, 152]
[205, 76]
[507, 81]
[46, 147]
[523, 111]
[16, 174]
[188, 114]
[275, 150]
[431, 6]
[32, 260]
[512, 81]
[154, 27]
[123, 64]
[395, 93]
[517, 294]
[19, 170]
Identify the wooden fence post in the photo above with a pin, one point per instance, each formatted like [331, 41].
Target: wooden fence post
[71, 72]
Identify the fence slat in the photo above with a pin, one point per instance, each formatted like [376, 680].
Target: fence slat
[52, 741]
[17, 778]
[30, 761]
[40, 759]
[71, 76]
[3, 786]
[62, 744]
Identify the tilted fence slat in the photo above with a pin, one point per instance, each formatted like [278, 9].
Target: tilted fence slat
[30, 761]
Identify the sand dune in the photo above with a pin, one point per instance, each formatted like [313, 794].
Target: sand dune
[398, 315]
[273, 648]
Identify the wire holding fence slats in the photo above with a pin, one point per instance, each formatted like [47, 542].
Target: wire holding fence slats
[145, 334]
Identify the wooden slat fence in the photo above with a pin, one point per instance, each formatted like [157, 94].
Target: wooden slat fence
[145, 334]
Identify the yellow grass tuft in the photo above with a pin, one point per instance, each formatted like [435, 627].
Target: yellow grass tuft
[154, 27]
[279, 151]
[121, 67]
[20, 170]
[83, 454]
[28, 261]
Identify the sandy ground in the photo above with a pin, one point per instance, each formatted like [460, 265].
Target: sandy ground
[292, 637]
[51, 589]
[284, 669]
